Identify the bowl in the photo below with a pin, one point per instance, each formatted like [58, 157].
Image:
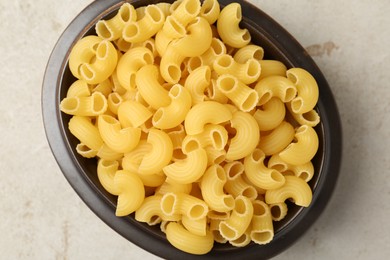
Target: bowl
[81, 173]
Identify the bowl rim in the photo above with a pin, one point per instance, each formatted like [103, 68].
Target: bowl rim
[138, 234]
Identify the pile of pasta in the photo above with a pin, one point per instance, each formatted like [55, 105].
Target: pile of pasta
[193, 130]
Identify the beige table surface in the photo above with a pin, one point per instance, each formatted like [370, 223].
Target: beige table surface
[41, 217]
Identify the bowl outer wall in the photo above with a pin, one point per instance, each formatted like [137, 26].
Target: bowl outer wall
[280, 43]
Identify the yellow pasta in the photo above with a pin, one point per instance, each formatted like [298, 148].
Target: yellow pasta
[272, 68]
[186, 11]
[85, 151]
[214, 136]
[93, 105]
[151, 208]
[87, 133]
[270, 115]
[185, 204]
[262, 230]
[210, 10]
[228, 26]
[196, 82]
[303, 171]
[133, 114]
[278, 139]
[106, 172]
[275, 86]
[197, 227]
[249, 52]
[79, 88]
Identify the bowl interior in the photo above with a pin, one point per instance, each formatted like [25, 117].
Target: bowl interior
[278, 45]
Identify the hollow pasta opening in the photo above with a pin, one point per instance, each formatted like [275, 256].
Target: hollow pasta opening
[157, 116]
[216, 46]
[220, 173]
[240, 206]
[168, 203]
[125, 13]
[177, 27]
[258, 209]
[257, 155]
[86, 72]
[279, 167]
[98, 104]
[253, 68]
[238, 12]
[155, 13]
[207, 7]
[131, 30]
[240, 240]
[229, 201]
[194, 63]
[218, 237]
[191, 7]
[103, 30]
[227, 84]
[70, 104]
[102, 50]
[246, 36]
[262, 237]
[288, 173]
[227, 231]
[275, 211]
[174, 72]
[292, 78]
[258, 54]
[276, 176]
[234, 170]
[250, 102]
[108, 163]
[311, 116]
[304, 175]
[265, 98]
[191, 145]
[178, 154]
[175, 91]
[217, 139]
[225, 61]
[249, 192]
[197, 211]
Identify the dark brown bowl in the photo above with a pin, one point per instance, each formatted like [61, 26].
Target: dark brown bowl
[81, 173]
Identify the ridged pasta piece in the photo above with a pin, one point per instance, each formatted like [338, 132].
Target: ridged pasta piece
[249, 52]
[107, 153]
[112, 29]
[85, 151]
[304, 171]
[146, 27]
[184, 240]
[244, 97]
[247, 72]
[246, 138]
[304, 149]
[186, 11]
[208, 112]
[131, 192]
[239, 220]
[294, 188]
[150, 88]
[79, 88]
[196, 82]
[278, 139]
[132, 159]
[210, 10]
[275, 86]
[174, 187]
[130, 63]
[150, 208]
[149, 44]
[278, 211]
[270, 115]
[310, 118]
[236, 184]
[215, 156]
[259, 174]
[216, 49]
[197, 227]
[243, 240]
[106, 87]
[106, 172]
[189, 169]
[93, 105]
[114, 100]
[213, 93]
[307, 90]
[272, 68]
[175, 113]
[228, 26]
[262, 227]
[215, 136]
[82, 128]
[214, 229]
[212, 184]
[170, 64]
[133, 114]
[153, 180]
[184, 204]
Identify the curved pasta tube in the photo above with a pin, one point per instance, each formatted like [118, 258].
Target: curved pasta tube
[106, 153]
[244, 97]
[152, 180]
[171, 30]
[150, 88]
[175, 113]
[278, 139]
[133, 114]
[294, 188]
[217, 48]
[85, 151]
[93, 105]
[205, 113]
[213, 93]
[170, 64]
[151, 208]
[248, 52]
[188, 242]
[121, 140]
[174, 187]
[304, 149]
[215, 136]
[184, 204]
[197, 40]
[130, 63]
[270, 115]
[278, 211]
[112, 29]
[247, 72]
[243, 240]
[304, 171]
[236, 184]
[87, 133]
[262, 230]
[210, 10]
[228, 26]
[186, 11]
[146, 27]
[177, 136]
[106, 172]
[259, 174]
[131, 192]
[79, 88]
[213, 194]
[239, 220]
[275, 86]
[215, 156]
[106, 87]
[247, 136]
[214, 229]
[189, 169]
[160, 154]
[307, 89]
[197, 227]
[310, 118]
[272, 68]
[132, 160]
[149, 44]
[197, 82]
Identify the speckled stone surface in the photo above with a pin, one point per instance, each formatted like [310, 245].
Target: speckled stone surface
[41, 217]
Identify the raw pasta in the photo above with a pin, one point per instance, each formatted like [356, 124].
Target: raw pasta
[192, 129]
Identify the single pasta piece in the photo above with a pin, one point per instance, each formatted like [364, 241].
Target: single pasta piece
[106, 172]
[247, 136]
[214, 229]
[294, 188]
[174, 187]
[151, 208]
[197, 227]
[85, 151]
[248, 52]
[112, 29]
[278, 139]
[217, 48]
[210, 10]
[262, 228]
[244, 97]
[175, 113]
[79, 88]
[121, 140]
[170, 64]
[228, 26]
[272, 68]
[93, 105]
[310, 118]
[259, 174]
[87, 133]
[307, 89]
[184, 204]
[214, 136]
[133, 114]
[196, 82]
[304, 149]
[212, 184]
[185, 11]
[131, 192]
[208, 112]
[243, 240]
[275, 86]
[236, 185]
[239, 220]
[107, 153]
[278, 211]
[270, 115]
[188, 242]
